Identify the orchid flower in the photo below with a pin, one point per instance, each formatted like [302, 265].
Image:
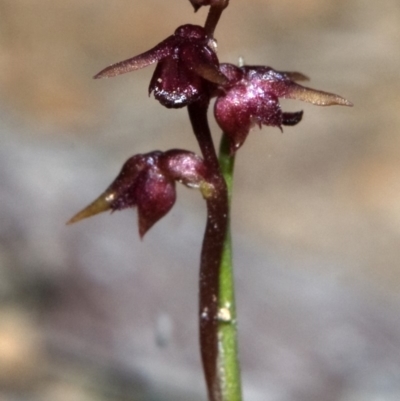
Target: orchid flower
[252, 98]
[186, 63]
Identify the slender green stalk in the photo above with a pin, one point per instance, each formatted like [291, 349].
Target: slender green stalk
[228, 362]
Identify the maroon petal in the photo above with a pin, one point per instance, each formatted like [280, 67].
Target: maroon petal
[174, 85]
[235, 116]
[151, 56]
[155, 195]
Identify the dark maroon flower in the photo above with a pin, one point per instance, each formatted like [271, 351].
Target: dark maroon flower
[186, 63]
[252, 98]
[147, 181]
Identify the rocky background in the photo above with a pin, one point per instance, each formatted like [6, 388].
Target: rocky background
[90, 312]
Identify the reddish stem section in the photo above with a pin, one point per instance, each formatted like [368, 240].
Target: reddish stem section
[214, 14]
[211, 254]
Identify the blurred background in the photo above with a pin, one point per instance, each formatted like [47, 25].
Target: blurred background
[90, 312]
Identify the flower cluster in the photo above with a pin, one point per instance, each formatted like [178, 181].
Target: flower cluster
[188, 71]
[147, 181]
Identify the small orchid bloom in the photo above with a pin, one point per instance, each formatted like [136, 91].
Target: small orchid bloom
[252, 98]
[147, 181]
[187, 62]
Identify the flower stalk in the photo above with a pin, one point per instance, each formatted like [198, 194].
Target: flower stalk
[214, 14]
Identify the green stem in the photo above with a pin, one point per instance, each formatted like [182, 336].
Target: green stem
[228, 362]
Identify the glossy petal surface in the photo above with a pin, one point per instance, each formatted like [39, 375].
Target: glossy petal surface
[147, 181]
[155, 195]
[145, 59]
[252, 98]
[187, 66]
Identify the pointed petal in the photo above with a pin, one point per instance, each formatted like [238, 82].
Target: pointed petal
[319, 98]
[101, 204]
[151, 56]
[156, 195]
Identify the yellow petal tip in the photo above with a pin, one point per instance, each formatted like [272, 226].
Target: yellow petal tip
[101, 204]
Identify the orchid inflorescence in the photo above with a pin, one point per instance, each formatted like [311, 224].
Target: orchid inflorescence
[188, 71]
[189, 74]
